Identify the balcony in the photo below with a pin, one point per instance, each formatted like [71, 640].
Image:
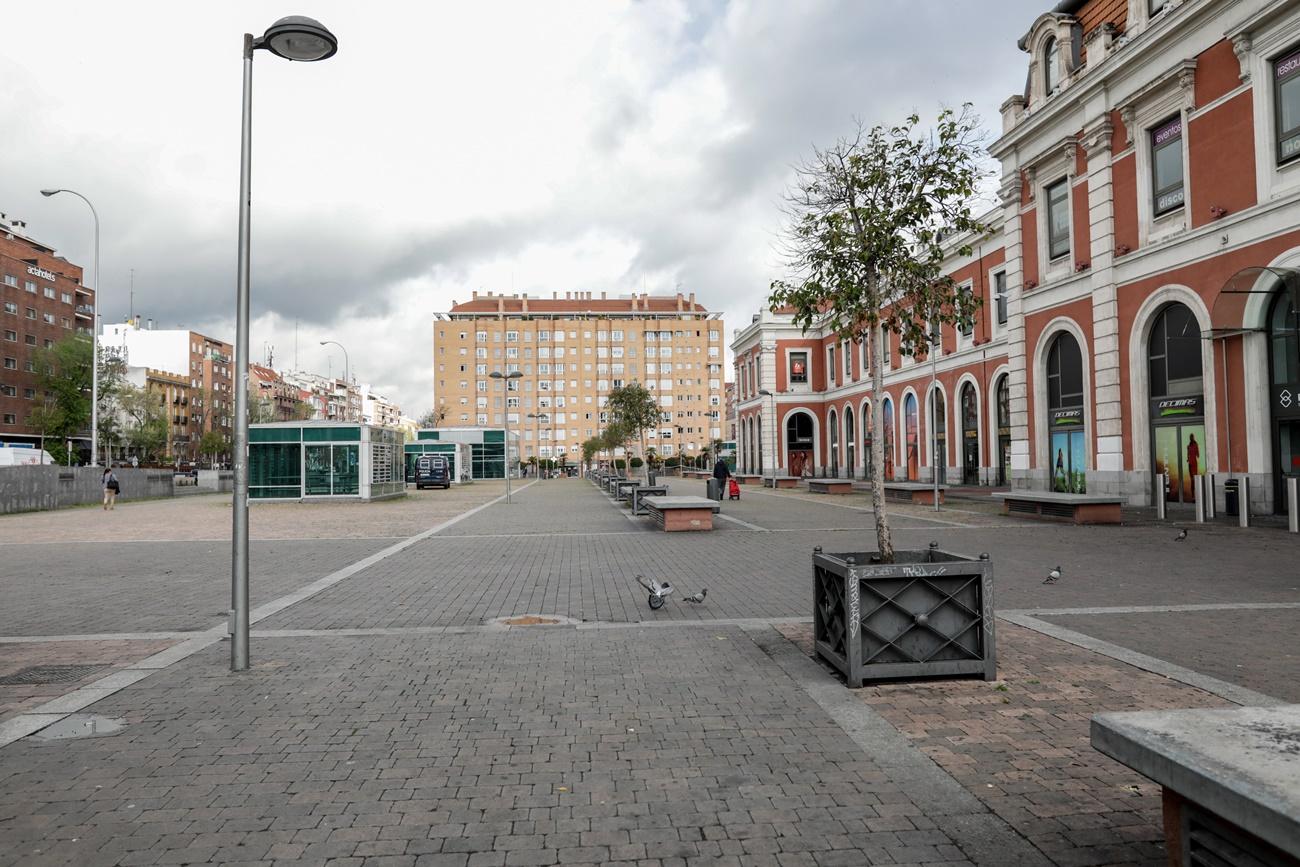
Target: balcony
[86, 310]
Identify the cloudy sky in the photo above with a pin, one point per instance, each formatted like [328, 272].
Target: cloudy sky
[528, 146]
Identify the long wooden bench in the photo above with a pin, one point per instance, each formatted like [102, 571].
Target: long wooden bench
[1055, 506]
[640, 492]
[830, 486]
[677, 514]
[780, 481]
[1228, 779]
[916, 493]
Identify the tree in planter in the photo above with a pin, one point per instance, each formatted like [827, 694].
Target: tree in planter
[213, 444]
[868, 217]
[634, 409]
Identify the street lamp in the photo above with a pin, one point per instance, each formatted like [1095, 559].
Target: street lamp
[347, 394]
[293, 38]
[496, 374]
[763, 392]
[540, 417]
[94, 334]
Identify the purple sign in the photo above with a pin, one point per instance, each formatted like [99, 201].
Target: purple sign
[1168, 132]
[1286, 66]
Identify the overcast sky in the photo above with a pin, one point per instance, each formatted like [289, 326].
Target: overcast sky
[529, 146]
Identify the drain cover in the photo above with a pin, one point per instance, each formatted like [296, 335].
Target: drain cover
[42, 674]
[79, 725]
[532, 620]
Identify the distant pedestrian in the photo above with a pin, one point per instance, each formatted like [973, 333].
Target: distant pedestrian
[721, 472]
[111, 487]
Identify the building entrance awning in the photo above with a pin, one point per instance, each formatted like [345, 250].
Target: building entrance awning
[1228, 318]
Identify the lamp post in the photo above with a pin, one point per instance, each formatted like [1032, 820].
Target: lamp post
[293, 38]
[496, 374]
[347, 394]
[94, 333]
[540, 417]
[763, 392]
[935, 338]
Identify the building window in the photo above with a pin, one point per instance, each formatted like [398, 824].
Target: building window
[1286, 99]
[1000, 296]
[1167, 166]
[830, 362]
[798, 367]
[11, 308]
[1058, 219]
[1156, 6]
[1051, 66]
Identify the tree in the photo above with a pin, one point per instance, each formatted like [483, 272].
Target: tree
[634, 410]
[146, 421]
[865, 246]
[212, 444]
[433, 417]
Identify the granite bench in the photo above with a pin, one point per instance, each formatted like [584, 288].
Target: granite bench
[830, 486]
[916, 493]
[621, 490]
[677, 514]
[780, 481]
[748, 479]
[1228, 779]
[640, 492]
[1056, 506]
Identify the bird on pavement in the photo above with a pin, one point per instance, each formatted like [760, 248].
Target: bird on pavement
[697, 598]
[1053, 576]
[1182, 534]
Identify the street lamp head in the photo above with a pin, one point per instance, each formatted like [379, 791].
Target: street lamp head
[765, 392]
[496, 374]
[48, 193]
[297, 37]
[514, 375]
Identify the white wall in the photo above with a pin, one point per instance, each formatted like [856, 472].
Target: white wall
[162, 350]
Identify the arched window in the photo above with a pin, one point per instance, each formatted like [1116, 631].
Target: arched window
[850, 442]
[1284, 334]
[887, 432]
[1174, 353]
[911, 438]
[1065, 415]
[1051, 66]
[799, 444]
[1177, 419]
[970, 436]
[833, 428]
[1003, 397]
[939, 435]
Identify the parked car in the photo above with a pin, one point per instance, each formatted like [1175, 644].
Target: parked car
[432, 471]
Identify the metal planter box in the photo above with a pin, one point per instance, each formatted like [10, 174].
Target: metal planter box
[930, 614]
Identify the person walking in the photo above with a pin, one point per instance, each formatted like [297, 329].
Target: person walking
[111, 487]
[721, 472]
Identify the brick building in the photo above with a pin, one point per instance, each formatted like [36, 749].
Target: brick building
[572, 352]
[274, 398]
[172, 391]
[43, 302]
[1140, 292]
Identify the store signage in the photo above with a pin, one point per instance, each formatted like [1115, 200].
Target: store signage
[1174, 407]
[1172, 199]
[1064, 417]
[40, 272]
[1286, 400]
[1286, 66]
[1171, 130]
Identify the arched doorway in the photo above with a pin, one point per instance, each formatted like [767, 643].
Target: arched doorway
[799, 444]
[1284, 367]
[850, 443]
[1003, 394]
[1177, 402]
[833, 434]
[887, 411]
[939, 435]
[868, 424]
[970, 436]
[1067, 443]
[911, 439]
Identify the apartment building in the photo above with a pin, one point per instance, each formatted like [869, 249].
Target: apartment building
[377, 409]
[1141, 292]
[207, 363]
[172, 391]
[271, 399]
[331, 398]
[43, 301]
[572, 351]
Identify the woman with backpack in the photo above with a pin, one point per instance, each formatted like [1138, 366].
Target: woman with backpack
[111, 487]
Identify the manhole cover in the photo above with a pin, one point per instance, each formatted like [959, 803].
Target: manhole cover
[79, 725]
[42, 674]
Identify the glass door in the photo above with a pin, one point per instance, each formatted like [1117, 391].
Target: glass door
[317, 481]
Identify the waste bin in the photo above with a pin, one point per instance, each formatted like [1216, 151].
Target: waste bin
[651, 477]
[1231, 497]
[715, 489]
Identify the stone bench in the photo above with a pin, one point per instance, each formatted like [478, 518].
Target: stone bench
[916, 493]
[621, 490]
[748, 479]
[607, 483]
[677, 514]
[1055, 506]
[697, 474]
[1228, 778]
[830, 486]
[780, 481]
[640, 492]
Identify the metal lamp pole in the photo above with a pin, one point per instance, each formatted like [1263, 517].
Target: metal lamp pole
[94, 333]
[540, 417]
[347, 380]
[293, 38]
[935, 337]
[496, 374]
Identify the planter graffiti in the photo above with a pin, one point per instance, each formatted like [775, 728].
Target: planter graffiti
[928, 615]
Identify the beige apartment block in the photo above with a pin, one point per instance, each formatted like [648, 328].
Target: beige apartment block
[573, 351]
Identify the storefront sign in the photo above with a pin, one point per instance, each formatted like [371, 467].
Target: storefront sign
[1066, 417]
[1286, 400]
[1176, 407]
[40, 272]
[1171, 130]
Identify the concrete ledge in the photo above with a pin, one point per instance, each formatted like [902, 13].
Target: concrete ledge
[830, 486]
[748, 479]
[781, 481]
[678, 514]
[1239, 764]
[916, 493]
[1053, 505]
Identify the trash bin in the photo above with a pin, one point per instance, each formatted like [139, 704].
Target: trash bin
[1231, 497]
[651, 477]
[715, 489]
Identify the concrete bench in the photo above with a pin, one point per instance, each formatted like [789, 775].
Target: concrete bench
[621, 490]
[608, 483]
[830, 486]
[748, 479]
[640, 492]
[1228, 778]
[1055, 506]
[916, 493]
[780, 481]
[677, 514]
[697, 474]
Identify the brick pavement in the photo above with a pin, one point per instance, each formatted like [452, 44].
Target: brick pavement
[110, 655]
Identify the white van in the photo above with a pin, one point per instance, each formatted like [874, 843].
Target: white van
[18, 456]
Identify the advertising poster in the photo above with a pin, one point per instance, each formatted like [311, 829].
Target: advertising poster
[1068, 462]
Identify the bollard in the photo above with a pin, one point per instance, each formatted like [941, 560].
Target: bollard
[1162, 485]
[1198, 492]
[1210, 506]
[1293, 504]
[1243, 502]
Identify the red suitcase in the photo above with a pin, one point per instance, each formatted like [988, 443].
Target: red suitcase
[733, 490]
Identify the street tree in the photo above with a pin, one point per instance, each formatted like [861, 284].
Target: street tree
[145, 429]
[865, 246]
[634, 409]
[213, 444]
[433, 417]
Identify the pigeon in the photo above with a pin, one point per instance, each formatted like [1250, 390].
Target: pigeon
[1053, 576]
[1182, 534]
[697, 598]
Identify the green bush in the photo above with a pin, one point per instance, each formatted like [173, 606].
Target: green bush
[620, 464]
[636, 462]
